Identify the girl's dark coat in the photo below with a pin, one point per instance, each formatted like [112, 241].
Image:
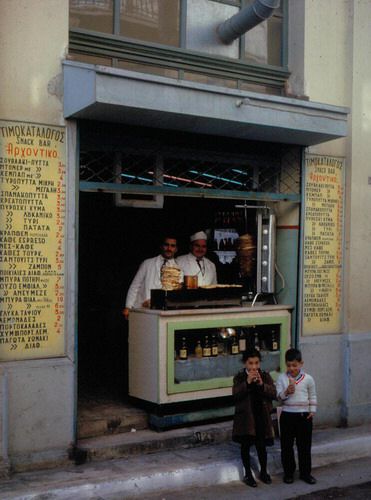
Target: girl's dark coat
[244, 423]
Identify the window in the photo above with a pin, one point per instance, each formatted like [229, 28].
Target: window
[93, 15]
[151, 20]
[263, 44]
[157, 36]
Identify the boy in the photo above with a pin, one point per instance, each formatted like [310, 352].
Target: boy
[297, 392]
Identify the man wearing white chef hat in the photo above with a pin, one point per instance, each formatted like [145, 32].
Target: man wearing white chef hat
[195, 263]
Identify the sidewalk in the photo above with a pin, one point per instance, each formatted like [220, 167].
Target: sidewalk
[171, 470]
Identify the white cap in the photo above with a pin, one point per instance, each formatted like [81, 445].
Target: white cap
[200, 235]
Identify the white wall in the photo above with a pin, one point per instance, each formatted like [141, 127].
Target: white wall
[330, 62]
[39, 401]
[33, 41]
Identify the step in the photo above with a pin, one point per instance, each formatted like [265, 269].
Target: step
[104, 418]
[148, 441]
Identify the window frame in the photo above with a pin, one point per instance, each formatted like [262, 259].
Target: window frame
[116, 47]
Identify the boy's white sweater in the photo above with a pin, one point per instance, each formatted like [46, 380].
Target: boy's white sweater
[304, 399]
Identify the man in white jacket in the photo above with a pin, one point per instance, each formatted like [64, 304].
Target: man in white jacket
[195, 263]
[148, 276]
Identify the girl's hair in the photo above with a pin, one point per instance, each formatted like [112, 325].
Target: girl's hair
[251, 353]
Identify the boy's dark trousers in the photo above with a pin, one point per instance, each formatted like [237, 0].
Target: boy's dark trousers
[296, 426]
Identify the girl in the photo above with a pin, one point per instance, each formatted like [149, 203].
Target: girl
[253, 392]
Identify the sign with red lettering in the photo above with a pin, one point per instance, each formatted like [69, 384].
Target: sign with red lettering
[323, 245]
[32, 240]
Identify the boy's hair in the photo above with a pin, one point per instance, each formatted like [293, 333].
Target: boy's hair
[251, 353]
[293, 355]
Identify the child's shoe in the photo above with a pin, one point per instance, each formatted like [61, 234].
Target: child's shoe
[265, 477]
[308, 479]
[250, 481]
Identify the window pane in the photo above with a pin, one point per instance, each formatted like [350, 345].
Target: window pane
[264, 42]
[256, 46]
[274, 41]
[95, 15]
[151, 20]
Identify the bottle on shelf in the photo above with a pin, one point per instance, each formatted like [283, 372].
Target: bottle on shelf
[263, 343]
[206, 350]
[256, 342]
[198, 349]
[234, 347]
[242, 341]
[274, 341]
[183, 351]
[214, 346]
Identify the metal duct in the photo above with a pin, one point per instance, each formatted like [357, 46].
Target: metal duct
[247, 18]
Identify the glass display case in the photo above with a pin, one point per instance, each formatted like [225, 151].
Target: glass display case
[188, 355]
[209, 356]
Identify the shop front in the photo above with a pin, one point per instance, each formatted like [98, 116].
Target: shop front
[228, 164]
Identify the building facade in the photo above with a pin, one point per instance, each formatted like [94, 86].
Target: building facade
[89, 86]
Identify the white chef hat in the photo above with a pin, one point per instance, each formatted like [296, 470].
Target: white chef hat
[200, 235]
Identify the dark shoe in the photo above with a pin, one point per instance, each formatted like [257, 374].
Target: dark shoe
[308, 479]
[288, 479]
[265, 477]
[250, 481]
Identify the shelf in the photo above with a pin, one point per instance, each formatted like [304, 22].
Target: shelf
[219, 367]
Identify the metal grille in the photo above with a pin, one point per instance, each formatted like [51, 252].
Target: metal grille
[184, 172]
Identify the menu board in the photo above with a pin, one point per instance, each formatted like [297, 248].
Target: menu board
[32, 221]
[323, 237]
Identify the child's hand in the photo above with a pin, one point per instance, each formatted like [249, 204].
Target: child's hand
[310, 416]
[252, 377]
[291, 387]
[259, 380]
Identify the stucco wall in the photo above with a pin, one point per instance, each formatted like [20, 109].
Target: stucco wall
[340, 75]
[335, 46]
[359, 206]
[33, 41]
[38, 407]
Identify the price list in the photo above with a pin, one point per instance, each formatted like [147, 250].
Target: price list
[323, 235]
[32, 240]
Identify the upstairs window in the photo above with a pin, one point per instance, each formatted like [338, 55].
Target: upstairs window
[177, 39]
[151, 20]
[92, 15]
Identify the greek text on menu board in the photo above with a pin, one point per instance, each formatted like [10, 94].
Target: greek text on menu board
[323, 234]
[32, 220]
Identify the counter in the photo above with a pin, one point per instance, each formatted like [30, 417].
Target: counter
[157, 375]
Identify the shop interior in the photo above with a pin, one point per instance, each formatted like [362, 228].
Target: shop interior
[113, 241]
[115, 238]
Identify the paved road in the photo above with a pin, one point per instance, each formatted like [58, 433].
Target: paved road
[348, 481]
[354, 492]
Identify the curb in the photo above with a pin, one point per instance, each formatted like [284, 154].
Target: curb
[180, 469]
